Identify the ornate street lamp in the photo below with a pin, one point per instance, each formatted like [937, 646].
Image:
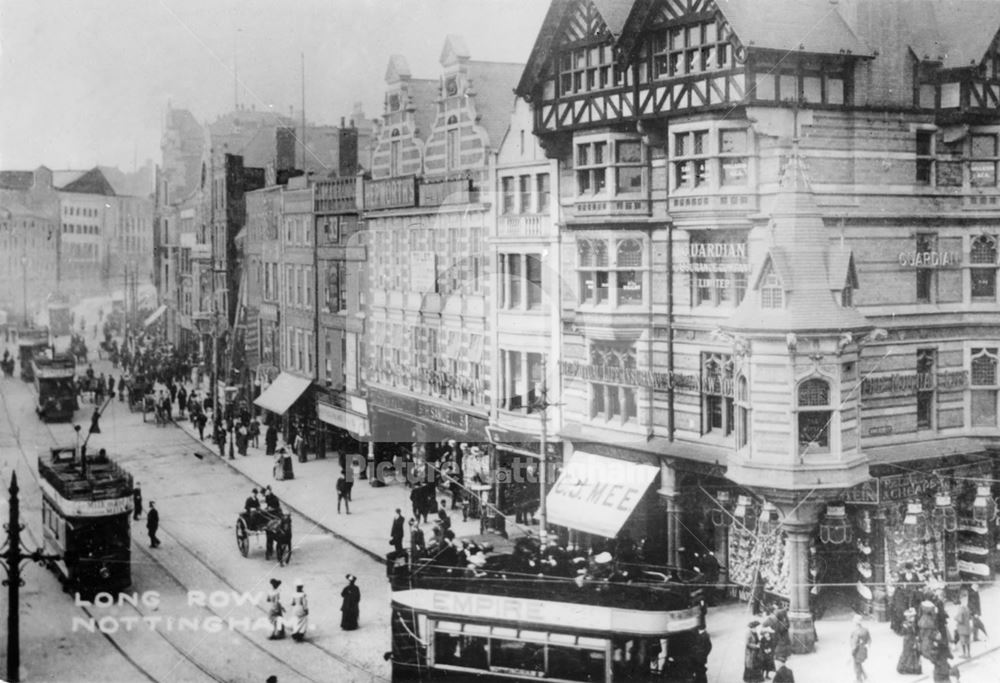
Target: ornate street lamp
[721, 514]
[769, 520]
[835, 529]
[944, 517]
[913, 522]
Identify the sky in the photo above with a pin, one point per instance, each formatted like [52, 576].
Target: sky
[86, 82]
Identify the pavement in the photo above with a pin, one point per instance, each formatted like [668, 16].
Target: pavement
[312, 494]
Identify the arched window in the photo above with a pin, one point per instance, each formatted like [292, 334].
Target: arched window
[585, 253]
[629, 279]
[742, 412]
[771, 291]
[983, 267]
[815, 414]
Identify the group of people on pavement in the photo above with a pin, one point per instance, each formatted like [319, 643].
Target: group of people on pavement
[767, 647]
[297, 619]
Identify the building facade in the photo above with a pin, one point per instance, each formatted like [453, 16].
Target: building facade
[780, 260]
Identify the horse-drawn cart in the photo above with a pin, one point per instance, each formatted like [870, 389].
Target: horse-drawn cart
[276, 527]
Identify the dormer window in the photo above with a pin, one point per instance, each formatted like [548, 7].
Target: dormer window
[772, 294]
[847, 297]
[394, 102]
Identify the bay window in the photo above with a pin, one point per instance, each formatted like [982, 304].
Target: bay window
[814, 416]
[709, 158]
[596, 271]
[610, 400]
[619, 160]
[717, 394]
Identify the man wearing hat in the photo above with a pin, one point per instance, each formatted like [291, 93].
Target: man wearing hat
[349, 608]
[275, 610]
[299, 607]
[783, 673]
[860, 640]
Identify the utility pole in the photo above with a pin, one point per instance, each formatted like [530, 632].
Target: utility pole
[13, 554]
[543, 476]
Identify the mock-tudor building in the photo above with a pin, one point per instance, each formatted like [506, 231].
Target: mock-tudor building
[779, 303]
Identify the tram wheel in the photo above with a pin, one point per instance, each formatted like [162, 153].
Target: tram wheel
[242, 537]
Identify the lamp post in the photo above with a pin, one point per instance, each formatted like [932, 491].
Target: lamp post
[24, 284]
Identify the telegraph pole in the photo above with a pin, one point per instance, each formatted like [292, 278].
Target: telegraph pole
[543, 476]
[13, 554]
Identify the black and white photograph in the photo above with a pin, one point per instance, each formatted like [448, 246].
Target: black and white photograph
[590, 341]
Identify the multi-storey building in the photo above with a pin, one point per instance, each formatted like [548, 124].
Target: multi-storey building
[90, 210]
[30, 240]
[427, 214]
[780, 257]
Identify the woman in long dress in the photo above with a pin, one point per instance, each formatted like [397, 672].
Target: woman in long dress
[752, 670]
[349, 608]
[274, 611]
[299, 607]
[909, 658]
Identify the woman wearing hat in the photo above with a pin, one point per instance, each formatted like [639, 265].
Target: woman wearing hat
[300, 613]
[349, 607]
[909, 658]
[274, 611]
[752, 664]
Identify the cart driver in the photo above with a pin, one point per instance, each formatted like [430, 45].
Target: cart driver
[252, 508]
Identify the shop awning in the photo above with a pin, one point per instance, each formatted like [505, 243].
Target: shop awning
[154, 316]
[282, 393]
[596, 494]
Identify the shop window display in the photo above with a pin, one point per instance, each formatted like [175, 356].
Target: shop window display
[758, 562]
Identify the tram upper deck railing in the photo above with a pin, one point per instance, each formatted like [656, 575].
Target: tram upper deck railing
[60, 366]
[101, 479]
[630, 587]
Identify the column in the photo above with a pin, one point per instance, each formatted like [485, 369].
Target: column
[802, 630]
[668, 498]
[880, 601]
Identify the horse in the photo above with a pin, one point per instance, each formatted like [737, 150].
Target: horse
[279, 537]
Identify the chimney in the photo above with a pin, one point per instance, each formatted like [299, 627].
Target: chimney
[341, 121]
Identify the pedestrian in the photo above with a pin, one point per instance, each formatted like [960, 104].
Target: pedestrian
[943, 669]
[976, 610]
[98, 387]
[418, 546]
[342, 493]
[417, 501]
[350, 606]
[783, 674]
[443, 519]
[201, 420]
[152, 524]
[766, 650]
[909, 658]
[283, 466]
[121, 389]
[299, 446]
[701, 648]
[254, 432]
[963, 624]
[274, 611]
[182, 397]
[300, 612]
[242, 440]
[860, 641]
[397, 532]
[271, 439]
[111, 386]
[136, 501]
[752, 672]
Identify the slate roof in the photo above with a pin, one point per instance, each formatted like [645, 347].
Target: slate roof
[88, 182]
[956, 33]
[493, 83]
[16, 180]
[809, 266]
[813, 26]
[62, 178]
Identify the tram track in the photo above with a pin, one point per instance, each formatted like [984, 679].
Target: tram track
[177, 544]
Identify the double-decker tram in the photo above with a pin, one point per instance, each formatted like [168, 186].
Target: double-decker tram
[86, 507]
[490, 623]
[31, 341]
[55, 390]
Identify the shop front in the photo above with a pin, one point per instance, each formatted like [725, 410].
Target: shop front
[343, 425]
[290, 406]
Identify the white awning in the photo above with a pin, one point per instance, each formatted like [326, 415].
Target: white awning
[596, 494]
[282, 393]
[154, 316]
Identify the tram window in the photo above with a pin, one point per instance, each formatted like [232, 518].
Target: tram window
[575, 665]
[517, 656]
[474, 653]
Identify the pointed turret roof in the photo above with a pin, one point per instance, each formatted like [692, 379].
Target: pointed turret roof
[811, 270]
[89, 182]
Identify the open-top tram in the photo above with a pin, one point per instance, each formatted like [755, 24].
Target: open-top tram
[86, 508]
[55, 388]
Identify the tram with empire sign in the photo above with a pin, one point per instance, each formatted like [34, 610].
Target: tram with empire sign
[86, 511]
[495, 622]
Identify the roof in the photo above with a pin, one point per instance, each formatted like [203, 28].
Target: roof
[62, 178]
[88, 182]
[956, 33]
[811, 270]
[493, 84]
[813, 26]
[615, 13]
[17, 180]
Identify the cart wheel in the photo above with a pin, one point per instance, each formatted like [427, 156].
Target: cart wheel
[242, 538]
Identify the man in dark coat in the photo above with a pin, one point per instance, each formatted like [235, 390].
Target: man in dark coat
[136, 501]
[350, 606]
[342, 493]
[201, 420]
[270, 439]
[398, 531]
[699, 655]
[152, 524]
[783, 674]
[418, 545]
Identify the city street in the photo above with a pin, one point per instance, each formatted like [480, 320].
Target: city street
[197, 573]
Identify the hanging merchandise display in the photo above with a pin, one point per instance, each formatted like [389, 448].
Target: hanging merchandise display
[758, 557]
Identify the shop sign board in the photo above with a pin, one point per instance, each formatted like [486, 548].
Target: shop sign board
[865, 493]
[647, 379]
[929, 259]
[428, 413]
[715, 264]
[901, 383]
[445, 416]
[977, 568]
